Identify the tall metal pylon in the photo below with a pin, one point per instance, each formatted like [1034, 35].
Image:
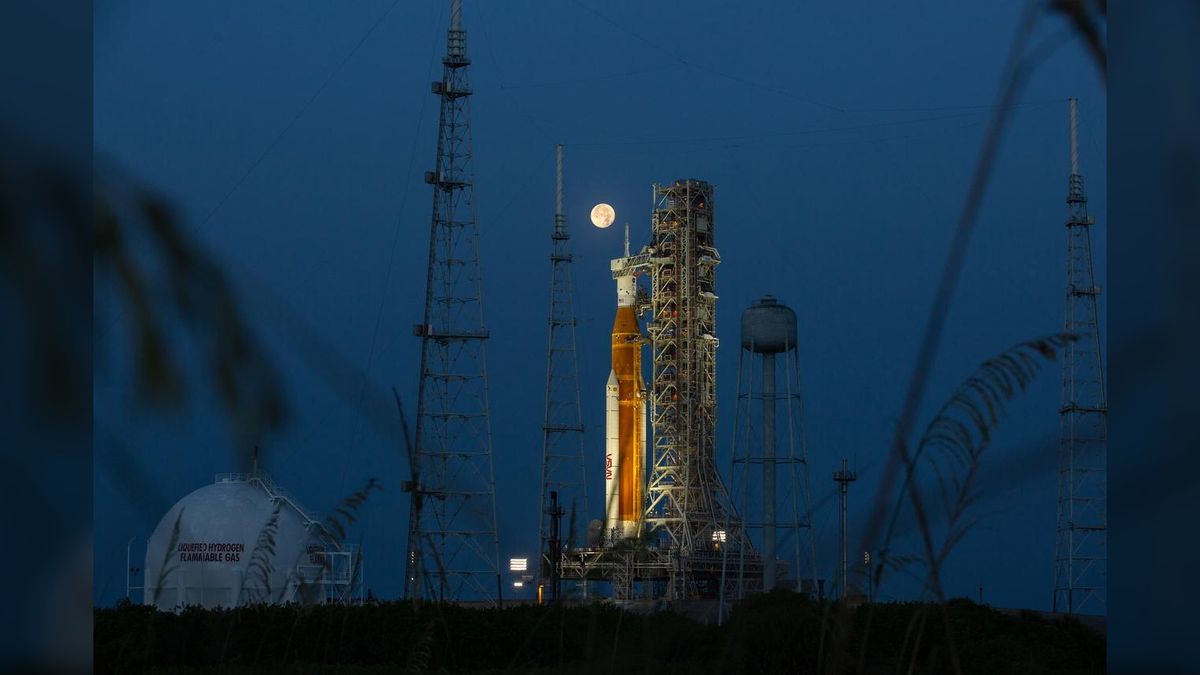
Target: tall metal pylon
[1081, 534]
[453, 547]
[562, 431]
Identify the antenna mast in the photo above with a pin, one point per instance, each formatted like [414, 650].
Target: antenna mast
[562, 431]
[1081, 533]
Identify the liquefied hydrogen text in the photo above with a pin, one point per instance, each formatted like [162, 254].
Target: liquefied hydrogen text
[210, 551]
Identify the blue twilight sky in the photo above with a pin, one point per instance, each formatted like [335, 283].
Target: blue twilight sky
[292, 138]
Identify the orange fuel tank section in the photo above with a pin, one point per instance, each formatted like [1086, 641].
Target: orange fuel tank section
[627, 366]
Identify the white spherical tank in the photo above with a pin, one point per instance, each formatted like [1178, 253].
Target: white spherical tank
[237, 541]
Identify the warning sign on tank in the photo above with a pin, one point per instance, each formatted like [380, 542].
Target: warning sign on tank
[200, 551]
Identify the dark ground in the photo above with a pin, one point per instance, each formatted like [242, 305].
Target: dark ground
[779, 632]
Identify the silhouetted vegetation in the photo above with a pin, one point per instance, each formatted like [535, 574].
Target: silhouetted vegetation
[774, 633]
[173, 288]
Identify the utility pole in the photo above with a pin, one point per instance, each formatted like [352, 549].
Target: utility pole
[844, 478]
[128, 562]
[870, 576]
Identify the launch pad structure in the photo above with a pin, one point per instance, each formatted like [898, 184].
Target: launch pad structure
[687, 541]
[671, 532]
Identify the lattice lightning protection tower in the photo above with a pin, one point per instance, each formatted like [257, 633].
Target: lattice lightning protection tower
[453, 549]
[562, 430]
[1080, 560]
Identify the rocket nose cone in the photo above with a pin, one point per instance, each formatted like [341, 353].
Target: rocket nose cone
[612, 378]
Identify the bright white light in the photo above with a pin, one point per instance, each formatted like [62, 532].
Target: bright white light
[518, 564]
[518, 584]
[603, 215]
[718, 536]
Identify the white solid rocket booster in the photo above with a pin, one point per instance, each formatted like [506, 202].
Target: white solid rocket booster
[626, 419]
[612, 454]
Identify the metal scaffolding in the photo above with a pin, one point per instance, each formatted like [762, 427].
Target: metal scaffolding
[562, 429]
[1080, 558]
[453, 550]
[688, 505]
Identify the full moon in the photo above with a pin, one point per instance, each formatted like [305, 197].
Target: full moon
[603, 215]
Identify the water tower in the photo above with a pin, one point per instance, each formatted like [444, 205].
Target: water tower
[769, 350]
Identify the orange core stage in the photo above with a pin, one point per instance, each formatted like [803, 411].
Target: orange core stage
[625, 447]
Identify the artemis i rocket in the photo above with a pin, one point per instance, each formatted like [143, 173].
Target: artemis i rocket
[625, 419]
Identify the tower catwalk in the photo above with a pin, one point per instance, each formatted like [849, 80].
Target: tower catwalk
[453, 550]
[1080, 560]
[562, 430]
[686, 499]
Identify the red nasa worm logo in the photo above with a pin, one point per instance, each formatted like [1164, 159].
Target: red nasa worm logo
[608, 466]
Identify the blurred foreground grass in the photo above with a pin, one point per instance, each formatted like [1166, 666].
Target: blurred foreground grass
[778, 632]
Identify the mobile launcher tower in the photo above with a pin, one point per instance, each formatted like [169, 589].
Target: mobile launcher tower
[671, 534]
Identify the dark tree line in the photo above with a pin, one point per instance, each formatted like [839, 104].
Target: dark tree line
[775, 633]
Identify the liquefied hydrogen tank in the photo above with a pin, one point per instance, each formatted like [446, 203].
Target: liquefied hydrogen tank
[231, 543]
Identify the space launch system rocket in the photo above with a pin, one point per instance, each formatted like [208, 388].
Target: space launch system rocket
[625, 420]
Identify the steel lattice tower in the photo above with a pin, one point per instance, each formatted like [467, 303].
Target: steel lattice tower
[686, 498]
[562, 430]
[453, 549]
[1080, 561]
